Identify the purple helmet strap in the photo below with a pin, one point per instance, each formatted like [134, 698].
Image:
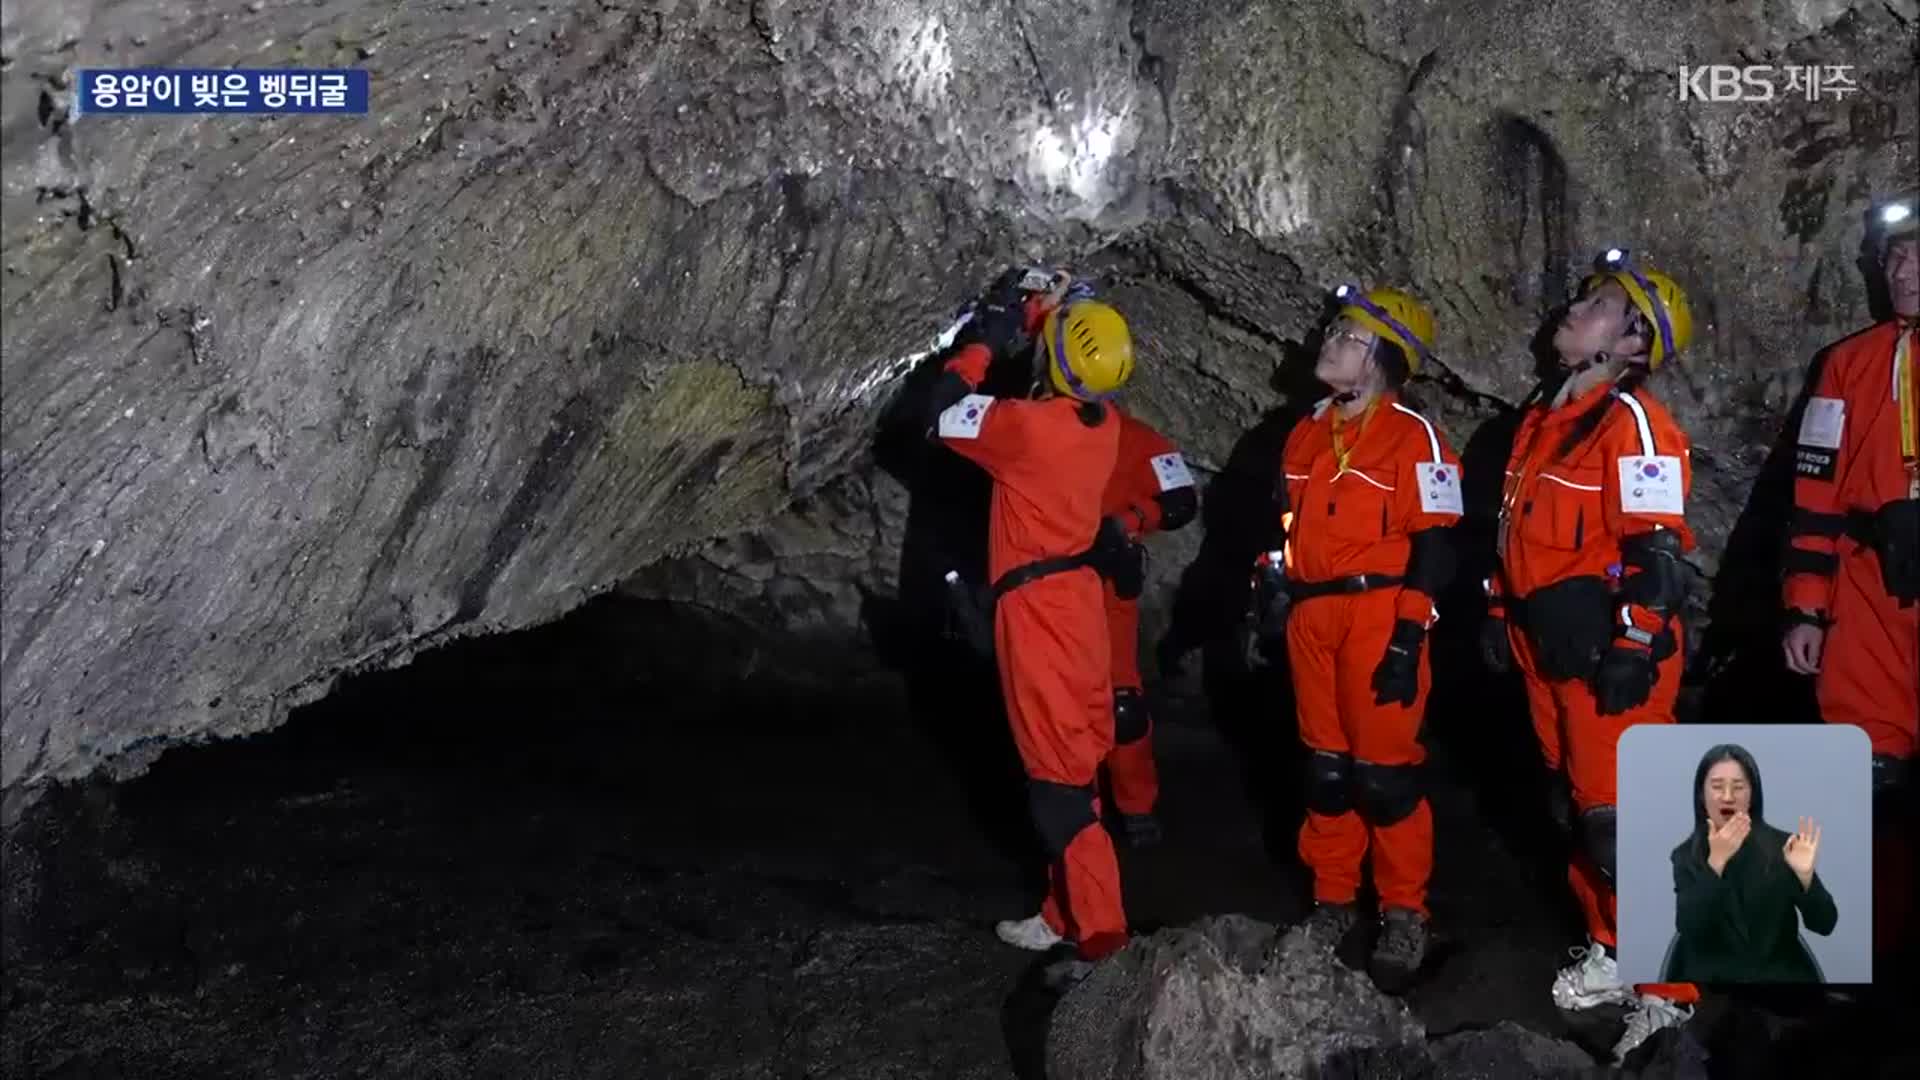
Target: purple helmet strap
[1659, 310]
[1358, 299]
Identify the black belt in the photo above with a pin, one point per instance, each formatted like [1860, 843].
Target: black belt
[1358, 583]
[1863, 526]
[1037, 569]
[1860, 527]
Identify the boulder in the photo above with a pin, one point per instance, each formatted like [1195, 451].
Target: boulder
[1225, 998]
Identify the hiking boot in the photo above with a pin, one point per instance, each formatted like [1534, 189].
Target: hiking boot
[1140, 830]
[1031, 933]
[1592, 979]
[1401, 950]
[1649, 1015]
[1327, 924]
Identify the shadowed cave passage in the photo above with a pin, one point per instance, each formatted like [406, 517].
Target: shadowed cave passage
[570, 851]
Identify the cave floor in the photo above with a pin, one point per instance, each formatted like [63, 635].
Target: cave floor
[492, 874]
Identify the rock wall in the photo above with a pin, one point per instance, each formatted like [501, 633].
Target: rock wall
[599, 281]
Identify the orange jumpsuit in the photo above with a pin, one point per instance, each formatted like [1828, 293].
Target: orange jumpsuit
[1851, 460]
[1563, 517]
[1150, 489]
[1357, 490]
[1049, 466]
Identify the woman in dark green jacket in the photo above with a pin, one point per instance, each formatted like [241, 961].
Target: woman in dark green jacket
[1739, 882]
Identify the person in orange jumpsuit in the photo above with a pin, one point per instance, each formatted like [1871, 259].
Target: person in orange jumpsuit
[1151, 490]
[1370, 490]
[1050, 456]
[1587, 594]
[1852, 588]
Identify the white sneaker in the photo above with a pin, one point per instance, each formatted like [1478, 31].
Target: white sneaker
[1650, 1015]
[1592, 979]
[1031, 933]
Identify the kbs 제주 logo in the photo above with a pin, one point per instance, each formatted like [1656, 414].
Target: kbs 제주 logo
[1766, 82]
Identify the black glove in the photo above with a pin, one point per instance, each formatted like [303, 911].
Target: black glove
[1119, 559]
[1496, 648]
[1000, 318]
[1397, 679]
[1267, 607]
[1625, 678]
[1258, 649]
[1271, 598]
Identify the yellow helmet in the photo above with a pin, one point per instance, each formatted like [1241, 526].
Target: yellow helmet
[1394, 315]
[1089, 351]
[1657, 297]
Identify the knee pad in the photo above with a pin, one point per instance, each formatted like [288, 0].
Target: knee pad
[1130, 720]
[1060, 811]
[1387, 794]
[1329, 782]
[1599, 832]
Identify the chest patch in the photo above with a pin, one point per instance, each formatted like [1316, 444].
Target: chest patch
[963, 418]
[1652, 484]
[1171, 470]
[1439, 488]
[1824, 423]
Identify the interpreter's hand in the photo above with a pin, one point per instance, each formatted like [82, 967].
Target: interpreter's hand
[1802, 847]
[1804, 644]
[1724, 839]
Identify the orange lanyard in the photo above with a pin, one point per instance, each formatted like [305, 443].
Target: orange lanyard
[1342, 453]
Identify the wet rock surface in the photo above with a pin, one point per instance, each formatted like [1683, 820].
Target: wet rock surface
[601, 281]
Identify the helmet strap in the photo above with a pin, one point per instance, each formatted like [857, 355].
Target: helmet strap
[1582, 377]
[1598, 358]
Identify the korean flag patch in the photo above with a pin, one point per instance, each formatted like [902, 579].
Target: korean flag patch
[1651, 485]
[1171, 471]
[962, 419]
[1439, 488]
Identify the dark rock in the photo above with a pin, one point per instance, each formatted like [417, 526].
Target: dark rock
[1506, 1050]
[1669, 1054]
[1223, 998]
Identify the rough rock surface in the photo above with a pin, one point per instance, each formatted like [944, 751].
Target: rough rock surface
[544, 854]
[1503, 1050]
[1228, 997]
[601, 280]
[1223, 998]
